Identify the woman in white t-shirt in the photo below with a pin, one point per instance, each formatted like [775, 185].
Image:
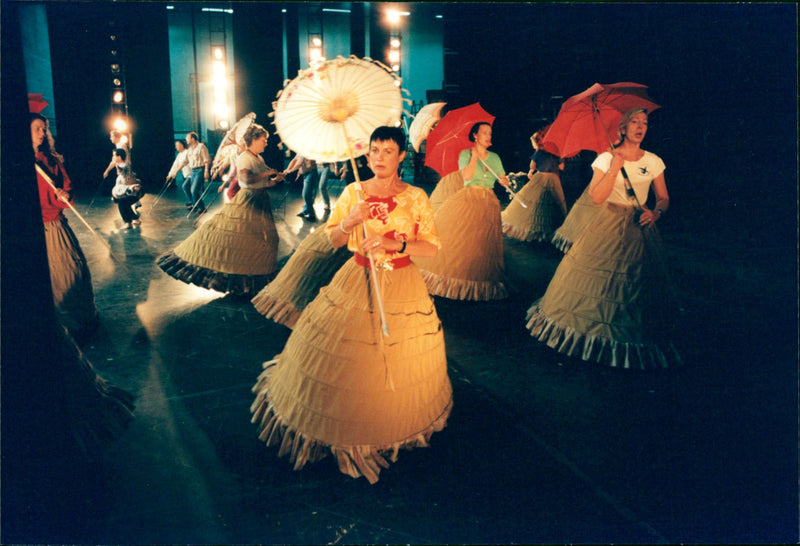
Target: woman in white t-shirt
[609, 300]
[236, 251]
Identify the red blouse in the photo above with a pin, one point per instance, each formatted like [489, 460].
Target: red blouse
[52, 207]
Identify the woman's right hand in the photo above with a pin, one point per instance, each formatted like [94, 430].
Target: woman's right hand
[358, 214]
[617, 161]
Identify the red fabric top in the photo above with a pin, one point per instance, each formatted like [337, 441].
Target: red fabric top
[52, 207]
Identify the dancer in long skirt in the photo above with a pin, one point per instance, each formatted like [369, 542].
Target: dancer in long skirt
[470, 264]
[341, 386]
[545, 207]
[70, 278]
[309, 268]
[236, 251]
[609, 300]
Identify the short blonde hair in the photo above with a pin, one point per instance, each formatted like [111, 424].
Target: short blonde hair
[626, 118]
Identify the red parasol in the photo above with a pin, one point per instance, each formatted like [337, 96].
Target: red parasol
[588, 120]
[36, 103]
[451, 135]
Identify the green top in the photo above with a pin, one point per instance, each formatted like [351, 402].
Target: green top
[483, 176]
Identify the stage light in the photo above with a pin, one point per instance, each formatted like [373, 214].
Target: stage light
[394, 57]
[218, 53]
[393, 16]
[117, 82]
[120, 125]
[118, 97]
[395, 43]
[115, 68]
[316, 41]
[396, 67]
[223, 124]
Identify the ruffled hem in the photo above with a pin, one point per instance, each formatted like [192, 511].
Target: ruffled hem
[523, 234]
[282, 312]
[462, 289]
[184, 271]
[561, 242]
[617, 354]
[355, 461]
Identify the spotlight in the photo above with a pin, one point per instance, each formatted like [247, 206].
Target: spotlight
[118, 97]
[120, 125]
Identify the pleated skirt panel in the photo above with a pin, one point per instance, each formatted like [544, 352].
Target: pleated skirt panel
[340, 387]
[543, 213]
[236, 251]
[610, 300]
[446, 187]
[73, 295]
[311, 266]
[470, 263]
[579, 216]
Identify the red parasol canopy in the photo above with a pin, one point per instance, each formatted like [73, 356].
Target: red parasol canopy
[451, 135]
[588, 120]
[36, 103]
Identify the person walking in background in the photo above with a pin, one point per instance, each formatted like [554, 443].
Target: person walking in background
[119, 141]
[198, 160]
[306, 168]
[609, 300]
[181, 167]
[236, 250]
[470, 265]
[127, 191]
[70, 278]
[339, 387]
[545, 207]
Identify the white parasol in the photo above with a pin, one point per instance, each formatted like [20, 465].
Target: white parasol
[332, 98]
[423, 122]
[228, 148]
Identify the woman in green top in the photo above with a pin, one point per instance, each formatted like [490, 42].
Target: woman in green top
[470, 263]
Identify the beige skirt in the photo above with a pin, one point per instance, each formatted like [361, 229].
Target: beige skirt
[70, 278]
[311, 266]
[445, 188]
[543, 213]
[470, 263]
[609, 300]
[341, 387]
[579, 216]
[236, 251]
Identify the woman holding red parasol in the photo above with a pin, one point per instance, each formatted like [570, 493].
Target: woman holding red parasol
[70, 278]
[235, 251]
[341, 386]
[470, 265]
[609, 299]
[546, 207]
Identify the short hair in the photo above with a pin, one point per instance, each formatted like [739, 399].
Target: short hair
[123, 155]
[386, 132]
[475, 128]
[193, 135]
[254, 132]
[181, 141]
[626, 118]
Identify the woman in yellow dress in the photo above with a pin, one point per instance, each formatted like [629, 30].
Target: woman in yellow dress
[341, 386]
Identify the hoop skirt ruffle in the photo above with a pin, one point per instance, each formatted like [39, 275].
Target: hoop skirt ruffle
[71, 280]
[312, 266]
[579, 216]
[445, 188]
[236, 251]
[340, 387]
[544, 209]
[470, 263]
[608, 300]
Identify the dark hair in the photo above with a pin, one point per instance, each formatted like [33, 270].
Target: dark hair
[475, 128]
[385, 133]
[123, 155]
[47, 147]
[193, 135]
[253, 132]
[182, 142]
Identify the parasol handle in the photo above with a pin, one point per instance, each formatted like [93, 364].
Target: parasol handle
[508, 189]
[105, 243]
[375, 286]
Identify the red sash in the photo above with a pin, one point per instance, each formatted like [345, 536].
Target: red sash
[395, 263]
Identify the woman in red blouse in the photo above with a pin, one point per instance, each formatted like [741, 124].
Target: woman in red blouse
[69, 274]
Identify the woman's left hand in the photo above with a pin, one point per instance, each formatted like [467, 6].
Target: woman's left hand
[504, 181]
[647, 218]
[376, 242]
[61, 195]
